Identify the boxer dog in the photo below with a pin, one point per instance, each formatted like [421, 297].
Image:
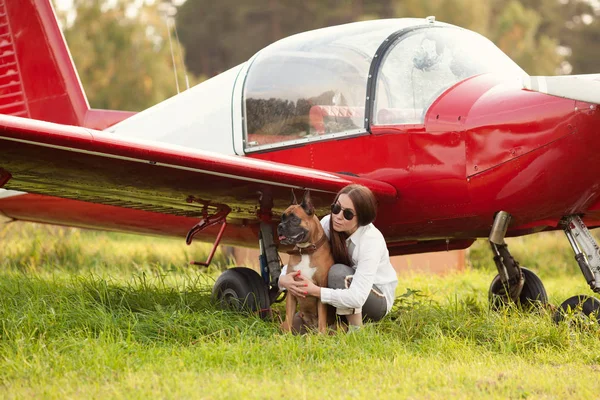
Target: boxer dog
[312, 257]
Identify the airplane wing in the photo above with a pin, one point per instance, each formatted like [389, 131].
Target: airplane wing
[584, 88]
[84, 164]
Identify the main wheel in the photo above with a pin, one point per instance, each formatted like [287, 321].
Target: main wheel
[578, 306]
[533, 293]
[242, 289]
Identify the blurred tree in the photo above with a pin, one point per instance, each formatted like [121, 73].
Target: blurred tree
[220, 35]
[122, 54]
[565, 23]
[583, 40]
[575, 24]
[516, 31]
[529, 31]
[470, 14]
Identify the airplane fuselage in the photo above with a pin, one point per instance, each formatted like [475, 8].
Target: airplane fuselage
[484, 147]
[474, 142]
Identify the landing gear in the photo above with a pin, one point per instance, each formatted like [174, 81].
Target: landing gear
[533, 293]
[243, 289]
[521, 286]
[513, 284]
[587, 252]
[578, 308]
[587, 255]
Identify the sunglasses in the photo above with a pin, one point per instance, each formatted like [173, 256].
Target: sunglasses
[336, 208]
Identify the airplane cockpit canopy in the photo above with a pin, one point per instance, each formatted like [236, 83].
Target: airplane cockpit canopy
[420, 65]
[319, 84]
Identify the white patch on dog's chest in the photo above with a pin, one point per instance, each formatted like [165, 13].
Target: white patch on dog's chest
[305, 268]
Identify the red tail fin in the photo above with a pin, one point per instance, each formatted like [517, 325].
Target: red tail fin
[37, 77]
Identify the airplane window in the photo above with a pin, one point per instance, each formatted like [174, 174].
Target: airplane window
[312, 85]
[319, 100]
[420, 66]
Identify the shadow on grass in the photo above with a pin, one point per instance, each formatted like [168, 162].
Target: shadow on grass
[144, 310]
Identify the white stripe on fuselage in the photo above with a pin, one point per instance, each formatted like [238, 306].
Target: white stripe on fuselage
[305, 267]
[9, 193]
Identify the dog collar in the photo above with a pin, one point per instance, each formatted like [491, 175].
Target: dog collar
[309, 249]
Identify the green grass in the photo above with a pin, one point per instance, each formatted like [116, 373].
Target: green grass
[97, 315]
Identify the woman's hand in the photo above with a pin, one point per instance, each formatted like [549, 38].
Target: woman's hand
[294, 284]
[309, 286]
[299, 285]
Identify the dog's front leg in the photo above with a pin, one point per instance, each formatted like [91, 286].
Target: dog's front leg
[290, 310]
[322, 312]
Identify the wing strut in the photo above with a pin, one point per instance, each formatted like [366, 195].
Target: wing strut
[4, 177]
[218, 217]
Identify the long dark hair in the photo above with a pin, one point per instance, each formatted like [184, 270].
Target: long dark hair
[365, 206]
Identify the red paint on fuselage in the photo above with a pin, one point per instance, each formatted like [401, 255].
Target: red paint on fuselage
[485, 146]
[59, 211]
[535, 158]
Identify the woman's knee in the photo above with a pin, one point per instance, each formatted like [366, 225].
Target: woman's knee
[375, 307]
[337, 276]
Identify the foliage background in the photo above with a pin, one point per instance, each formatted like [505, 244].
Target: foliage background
[220, 36]
[122, 52]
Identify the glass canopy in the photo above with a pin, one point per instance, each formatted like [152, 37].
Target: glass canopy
[313, 85]
[421, 65]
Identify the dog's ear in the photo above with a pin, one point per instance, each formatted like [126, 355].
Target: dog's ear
[307, 205]
[293, 199]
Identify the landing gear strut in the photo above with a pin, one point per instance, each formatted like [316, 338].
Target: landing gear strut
[587, 255]
[513, 284]
[587, 252]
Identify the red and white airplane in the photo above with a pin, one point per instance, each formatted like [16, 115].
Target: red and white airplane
[455, 140]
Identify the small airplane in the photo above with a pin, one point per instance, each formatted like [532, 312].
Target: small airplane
[455, 140]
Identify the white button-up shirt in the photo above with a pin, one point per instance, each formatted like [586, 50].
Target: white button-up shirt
[371, 261]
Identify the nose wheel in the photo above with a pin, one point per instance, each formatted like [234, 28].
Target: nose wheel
[532, 293]
[578, 309]
[523, 287]
[587, 255]
[513, 284]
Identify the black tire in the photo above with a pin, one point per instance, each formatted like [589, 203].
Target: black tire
[533, 294]
[242, 289]
[578, 306]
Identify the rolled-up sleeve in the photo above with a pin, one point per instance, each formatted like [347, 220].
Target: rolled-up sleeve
[283, 272]
[369, 253]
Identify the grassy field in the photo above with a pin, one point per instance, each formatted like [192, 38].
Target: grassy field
[99, 315]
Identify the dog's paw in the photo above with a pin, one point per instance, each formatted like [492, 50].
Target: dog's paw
[337, 328]
[285, 326]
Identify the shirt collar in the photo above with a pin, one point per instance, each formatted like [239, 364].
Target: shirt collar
[355, 237]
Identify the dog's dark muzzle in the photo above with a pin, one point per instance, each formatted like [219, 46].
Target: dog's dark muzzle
[291, 234]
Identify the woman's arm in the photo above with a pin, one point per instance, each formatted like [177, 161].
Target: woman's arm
[369, 256]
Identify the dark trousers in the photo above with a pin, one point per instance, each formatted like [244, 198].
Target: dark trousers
[340, 277]
[375, 308]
